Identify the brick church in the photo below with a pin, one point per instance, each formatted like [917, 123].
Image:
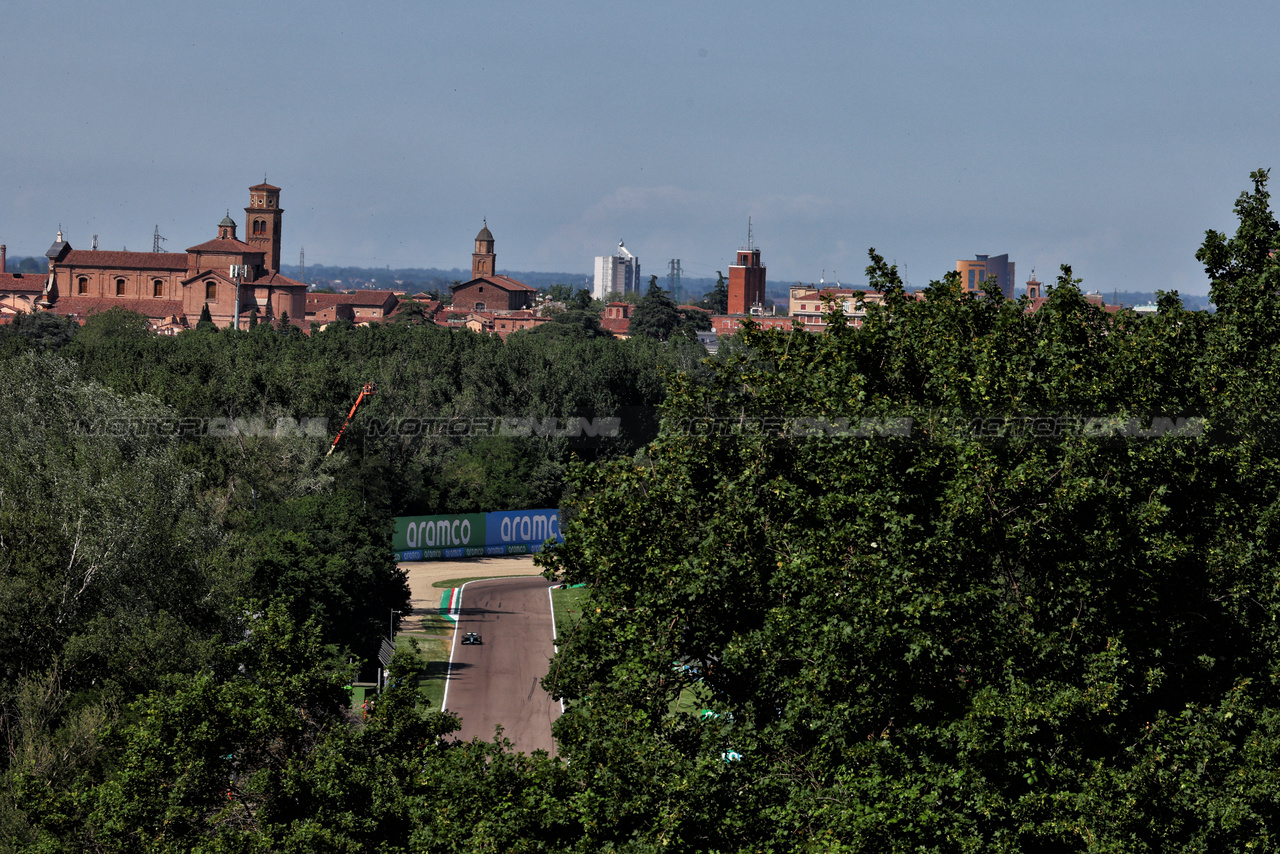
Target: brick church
[232, 276]
[488, 291]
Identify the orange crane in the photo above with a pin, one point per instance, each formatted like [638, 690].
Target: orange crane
[369, 390]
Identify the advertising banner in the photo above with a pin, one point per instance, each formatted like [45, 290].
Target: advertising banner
[510, 532]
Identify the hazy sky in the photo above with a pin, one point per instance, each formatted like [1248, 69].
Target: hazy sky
[1101, 134]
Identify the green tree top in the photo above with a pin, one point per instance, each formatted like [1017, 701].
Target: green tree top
[655, 316]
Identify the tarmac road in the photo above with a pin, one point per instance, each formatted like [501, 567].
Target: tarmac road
[498, 681]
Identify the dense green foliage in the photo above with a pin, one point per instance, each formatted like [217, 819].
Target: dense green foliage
[160, 497]
[966, 578]
[983, 633]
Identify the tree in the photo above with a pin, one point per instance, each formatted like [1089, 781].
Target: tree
[947, 581]
[41, 330]
[655, 316]
[693, 321]
[206, 320]
[716, 301]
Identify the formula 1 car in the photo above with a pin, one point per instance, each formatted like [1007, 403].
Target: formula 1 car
[471, 637]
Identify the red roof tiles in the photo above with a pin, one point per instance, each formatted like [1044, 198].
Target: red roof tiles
[506, 283]
[222, 244]
[367, 298]
[125, 260]
[26, 283]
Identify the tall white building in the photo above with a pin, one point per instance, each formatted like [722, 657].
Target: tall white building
[616, 274]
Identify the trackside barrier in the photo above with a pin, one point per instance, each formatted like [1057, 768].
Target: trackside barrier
[513, 532]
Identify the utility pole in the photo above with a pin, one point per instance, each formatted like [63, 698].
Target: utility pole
[157, 240]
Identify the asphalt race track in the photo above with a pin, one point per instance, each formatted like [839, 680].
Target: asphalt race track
[499, 681]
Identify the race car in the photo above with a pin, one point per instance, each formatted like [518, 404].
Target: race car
[471, 637]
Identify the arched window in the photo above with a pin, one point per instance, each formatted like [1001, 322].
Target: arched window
[211, 290]
[479, 306]
[119, 287]
[157, 288]
[259, 227]
[82, 285]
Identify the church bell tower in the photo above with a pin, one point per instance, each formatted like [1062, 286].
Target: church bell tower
[484, 261]
[262, 223]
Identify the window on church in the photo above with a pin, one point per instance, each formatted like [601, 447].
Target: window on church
[157, 288]
[82, 285]
[479, 306]
[119, 287]
[211, 290]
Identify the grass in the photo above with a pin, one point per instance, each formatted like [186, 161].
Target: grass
[458, 582]
[433, 655]
[567, 602]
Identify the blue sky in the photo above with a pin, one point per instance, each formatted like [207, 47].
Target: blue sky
[1104, 135]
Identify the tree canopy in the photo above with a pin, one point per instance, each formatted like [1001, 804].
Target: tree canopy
[965, 578]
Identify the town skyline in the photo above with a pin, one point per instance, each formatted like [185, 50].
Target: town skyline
[1108, 139]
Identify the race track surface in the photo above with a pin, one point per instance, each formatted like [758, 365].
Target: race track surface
[498, 681]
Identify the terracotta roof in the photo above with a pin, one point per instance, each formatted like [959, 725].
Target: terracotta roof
[278, 280]
[368, 298]
[27, 283]
[83, 307]
[264, 186]
[125, 260]
[616, 325]
[505, 282]
[224, 244]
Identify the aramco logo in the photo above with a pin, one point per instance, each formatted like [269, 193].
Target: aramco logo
[438, 533]
[529, 528]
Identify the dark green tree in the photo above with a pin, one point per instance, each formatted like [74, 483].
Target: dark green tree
[655, 316]
[206, 320]
[717, 300]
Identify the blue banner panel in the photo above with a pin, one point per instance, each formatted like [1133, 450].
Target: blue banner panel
[528, 527]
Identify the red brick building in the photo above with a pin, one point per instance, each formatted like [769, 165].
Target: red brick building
[230, 276]
[488, 291]
[746, 282]
[18, 291]
[616, 318]
[361, 307]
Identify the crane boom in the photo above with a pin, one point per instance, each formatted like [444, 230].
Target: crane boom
[369, 390]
